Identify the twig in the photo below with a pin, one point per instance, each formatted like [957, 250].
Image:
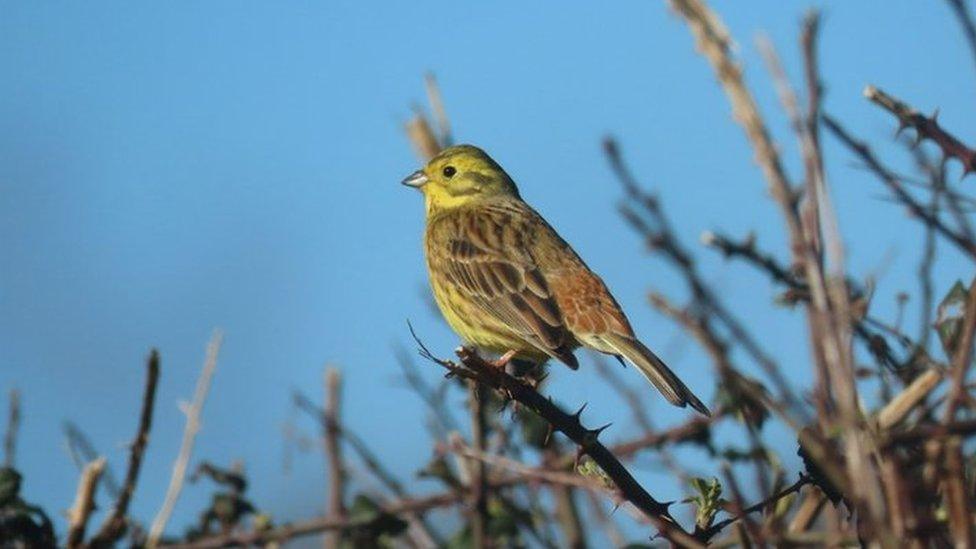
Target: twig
[795, 487]
[693, 430]
[436, 102]
[333, 451]
[547, 475]
[474, 367]
[372, 462]
[192, 412]
[639, 411]
[84, 503]
[13, 425]
[477, 397]
[83, 452]
[966, 20]
[567, 513]
[798, 290]
[663, 238]
[633, 399]
[427, 142]
[600, 515]
[962, 357]
[812, 502]
[715, 44]
[322, 524]
[443, 419]
[114, 525]
[810, 213]
[957, 494]
[739, 510]
[919, 210]
[927, 128]
[899, 407]
[422, 137]
[936, 431]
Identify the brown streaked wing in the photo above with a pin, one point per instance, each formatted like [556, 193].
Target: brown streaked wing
[481, 253]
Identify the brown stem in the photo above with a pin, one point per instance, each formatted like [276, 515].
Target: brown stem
[13, 425]
[84, 504]
[114, 526]
[333, 451]
[894, 185]
[962, 357]
[477, 398]
[760, 506]
[927, 127]
[473, 367]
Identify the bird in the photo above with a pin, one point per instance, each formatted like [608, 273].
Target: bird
[507, 283]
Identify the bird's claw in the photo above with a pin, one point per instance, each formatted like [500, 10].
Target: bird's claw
[503, 360]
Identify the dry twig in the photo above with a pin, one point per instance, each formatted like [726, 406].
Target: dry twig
[13, 424]
[192, 412]
[114, 525]
[333, 451]
[84, 503]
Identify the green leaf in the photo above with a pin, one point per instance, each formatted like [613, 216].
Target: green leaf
[708, 500]
[376, 525]
[588, 468]
[949, 317]
[9, 486]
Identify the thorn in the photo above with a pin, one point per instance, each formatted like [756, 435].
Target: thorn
[592, 435]
[579, 412]
[549, 430]
[935, 116]
[918, 138]
[579, 456]
[968, 167]
[596, 432]
[901, 127]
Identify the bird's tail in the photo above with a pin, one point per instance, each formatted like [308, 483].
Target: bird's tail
[656, 372]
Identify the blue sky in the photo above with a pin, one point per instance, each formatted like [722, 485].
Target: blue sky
[166, 169]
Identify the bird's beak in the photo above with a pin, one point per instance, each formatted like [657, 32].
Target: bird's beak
[416, 180]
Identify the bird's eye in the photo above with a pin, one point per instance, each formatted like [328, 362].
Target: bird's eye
[449, 171]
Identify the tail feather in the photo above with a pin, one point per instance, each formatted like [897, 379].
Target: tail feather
[656, 372]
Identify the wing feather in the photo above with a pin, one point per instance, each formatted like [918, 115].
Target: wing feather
[485, 258]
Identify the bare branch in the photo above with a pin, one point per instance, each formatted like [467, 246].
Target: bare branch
[927, 127]
[333, 451]
[13, 425]
[895, 186]
[114, 526]
[474, 367]
[193, 412]
[966, 20]
[84, 503]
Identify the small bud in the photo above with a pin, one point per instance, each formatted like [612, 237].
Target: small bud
[707, 238]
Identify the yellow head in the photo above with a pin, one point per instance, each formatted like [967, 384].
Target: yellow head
[459, 176]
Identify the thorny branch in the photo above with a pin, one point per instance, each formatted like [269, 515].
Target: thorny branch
[917, 209]
[474, 368]
[926, 127]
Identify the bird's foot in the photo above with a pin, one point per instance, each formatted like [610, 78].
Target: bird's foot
[503, 360]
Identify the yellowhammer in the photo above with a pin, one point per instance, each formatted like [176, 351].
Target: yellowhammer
[507, 283]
